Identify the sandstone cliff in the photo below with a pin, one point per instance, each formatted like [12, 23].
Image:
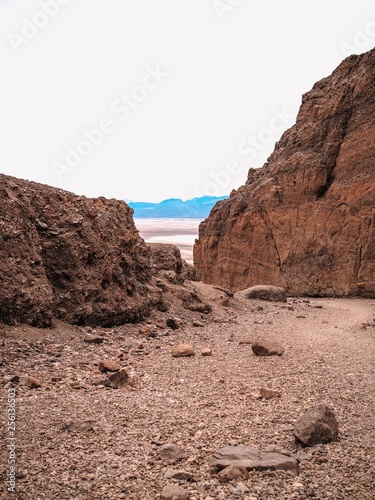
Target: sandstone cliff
[306, 220]
[70, 257]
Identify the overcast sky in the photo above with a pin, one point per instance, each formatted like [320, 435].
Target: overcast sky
[151, 99]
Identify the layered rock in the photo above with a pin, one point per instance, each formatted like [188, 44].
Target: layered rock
[306, 220]
[70, 257]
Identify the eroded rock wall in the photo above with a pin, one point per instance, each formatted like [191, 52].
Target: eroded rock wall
[306, 220]
[70, 257]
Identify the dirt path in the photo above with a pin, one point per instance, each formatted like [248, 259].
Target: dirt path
[78, 440]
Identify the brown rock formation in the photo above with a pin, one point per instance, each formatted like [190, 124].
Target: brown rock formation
[306, 220]
[75, 258]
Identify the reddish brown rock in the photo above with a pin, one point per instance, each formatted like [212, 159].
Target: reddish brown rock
[170, 453]
[233, 473]
[183, 350]
[106, 365]
[305, 221]
[206, 351]
[267, 348]
[78, 259]
[122, 378]
[174, 492]
[317, 426]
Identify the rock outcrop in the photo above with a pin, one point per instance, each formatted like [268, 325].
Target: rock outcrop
[70, 257]
[306, 220]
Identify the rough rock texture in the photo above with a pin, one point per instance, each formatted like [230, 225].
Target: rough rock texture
[306, 220]
[75, 258]
[166, 261]
[318, 425]
[252, 458]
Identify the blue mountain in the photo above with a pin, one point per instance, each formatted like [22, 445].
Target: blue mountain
[174, 208]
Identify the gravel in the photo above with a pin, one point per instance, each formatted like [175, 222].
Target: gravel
[78, 439]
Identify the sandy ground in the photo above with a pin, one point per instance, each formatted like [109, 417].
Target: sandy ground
[78, 440]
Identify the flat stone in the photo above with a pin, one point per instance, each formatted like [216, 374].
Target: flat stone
[317, 426]
[170, 453]
[106, 365]
[252, 459]
[264, 292]
[91, 339]
[180, 475]
[267, 393]
[267, 348]
[182, 350]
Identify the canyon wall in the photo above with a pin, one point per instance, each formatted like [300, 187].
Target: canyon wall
[306, 220]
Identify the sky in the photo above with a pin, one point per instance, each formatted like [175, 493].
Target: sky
[145, 100]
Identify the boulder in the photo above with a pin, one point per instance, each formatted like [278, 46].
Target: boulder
[252, 459]
[264, 292]
[78, 259]
[317, 426]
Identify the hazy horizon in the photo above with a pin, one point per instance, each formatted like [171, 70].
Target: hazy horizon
[147, 100]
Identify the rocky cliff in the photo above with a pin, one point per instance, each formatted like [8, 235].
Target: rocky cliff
[70, 257]
[306, 220]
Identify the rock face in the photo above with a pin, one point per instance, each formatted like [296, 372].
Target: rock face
[317, 426]
[66, 256]
[306, 220]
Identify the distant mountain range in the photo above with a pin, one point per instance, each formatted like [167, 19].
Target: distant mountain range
[175, 208]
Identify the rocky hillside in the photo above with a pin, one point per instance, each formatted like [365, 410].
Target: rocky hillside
[70, 257]
[306, 220]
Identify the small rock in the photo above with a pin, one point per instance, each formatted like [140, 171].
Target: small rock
[91, 339]
[182, 350]
[264, 292]
[267, 393]
[170, 453]
[121, 379]
[107, 365]
[198, 324]
[33, 383]
[267, 348]
[318, 425]
[174, 492]
[206, 351]
[232, 473]
[173, 323]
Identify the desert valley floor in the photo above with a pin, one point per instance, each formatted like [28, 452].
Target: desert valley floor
[77, 439]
